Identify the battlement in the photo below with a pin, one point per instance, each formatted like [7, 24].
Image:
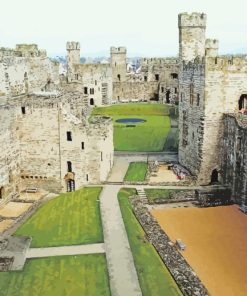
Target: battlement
[212, 43]
[193, 19]
[116, 50]
[227, 63]
[72, 45]
[23, 50]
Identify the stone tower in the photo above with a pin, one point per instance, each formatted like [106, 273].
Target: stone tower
[118, 64]
[212, 47]
[73, 57]
[192, 29]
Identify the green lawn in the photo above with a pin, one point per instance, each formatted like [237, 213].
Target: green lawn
[153, 194]
[81, 275]
[136, 171]
[154, 278]
[147, 136]
[69, 219]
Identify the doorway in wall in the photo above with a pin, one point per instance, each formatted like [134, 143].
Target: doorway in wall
[214, 177]
[242, 103]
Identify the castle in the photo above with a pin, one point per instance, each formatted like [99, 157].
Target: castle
[48, 139]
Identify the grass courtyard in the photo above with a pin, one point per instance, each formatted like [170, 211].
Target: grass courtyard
[69, 219]
[153, 276]
[147, 136]
[136, 171]
[64, 276]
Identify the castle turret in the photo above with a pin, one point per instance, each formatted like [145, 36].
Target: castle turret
[73, 57]
[192, 29]
[118, 63]
[212, 47]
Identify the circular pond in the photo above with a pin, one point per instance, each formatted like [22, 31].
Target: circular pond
[130, 120]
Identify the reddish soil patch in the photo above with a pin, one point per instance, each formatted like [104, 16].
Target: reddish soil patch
[216, 245]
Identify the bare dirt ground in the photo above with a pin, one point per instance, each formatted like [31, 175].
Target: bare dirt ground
[216, 245]
[5, 224]
[14, 209]
[163, 175]
[28, 196]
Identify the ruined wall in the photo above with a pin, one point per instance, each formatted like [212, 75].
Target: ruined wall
[233, 154]
[225, 82]
[97, 79]
[22, 75]
[191, 115]
[46, 149]
[157, 79]
[9, 153]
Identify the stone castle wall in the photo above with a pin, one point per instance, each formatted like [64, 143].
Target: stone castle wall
[233, 155]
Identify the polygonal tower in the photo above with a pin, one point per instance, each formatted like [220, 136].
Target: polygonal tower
[73, 57]
[118, 64]
[192, 28]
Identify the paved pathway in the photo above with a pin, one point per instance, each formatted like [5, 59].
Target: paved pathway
[119, 169]
[121, 268]
[65, 250]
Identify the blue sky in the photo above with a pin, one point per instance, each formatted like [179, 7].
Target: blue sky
[147, 28]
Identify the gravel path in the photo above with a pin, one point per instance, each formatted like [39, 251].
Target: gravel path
[121, 268]
[65, 250]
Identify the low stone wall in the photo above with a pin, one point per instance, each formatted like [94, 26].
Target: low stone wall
[181, 196]
[185, 277]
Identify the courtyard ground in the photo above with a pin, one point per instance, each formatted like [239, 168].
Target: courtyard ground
[216, 245]
[163, 175]
[69, 219]
[136, 172]
[66, 275]
[147, 136]
[153, 276]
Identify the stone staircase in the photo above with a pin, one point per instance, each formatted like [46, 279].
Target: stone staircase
[142, 195]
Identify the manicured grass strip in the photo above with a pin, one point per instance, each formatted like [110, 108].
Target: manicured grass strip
[136, 171]
[69, 219]
[66, 275]
[132, 109]
[153, 194]
[147, 136]
[154, 278]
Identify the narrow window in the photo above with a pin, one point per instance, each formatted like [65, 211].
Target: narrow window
[85, 90]
[82, 146]
[162, 89]
[145, 78]
[69, 136]
[76, 76]
[91, 102]
[157, 77]
[191, 94]
[119, 77]
[23, 110]
[86, 177]
[95, 82]
[101, 156]
[69, 166]
[175, 90]
[91, 91]
[198, 99]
